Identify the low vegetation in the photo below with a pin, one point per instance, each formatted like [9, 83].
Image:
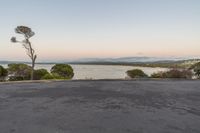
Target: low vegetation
[18, 72]
[62, 71]
[189, 72]
[40, 74]
[174, 73]
[136, 73]
[196, 69]
[48, 76]
[3, 73]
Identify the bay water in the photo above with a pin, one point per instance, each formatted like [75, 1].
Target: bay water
[101, 71]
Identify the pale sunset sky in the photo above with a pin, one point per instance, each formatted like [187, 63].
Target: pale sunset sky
[71, 29]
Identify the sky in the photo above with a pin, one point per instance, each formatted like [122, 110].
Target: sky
[73, 29]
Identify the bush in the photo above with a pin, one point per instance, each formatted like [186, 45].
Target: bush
[174, 73]
[62, 71]
[52, 76]
[196, 69]
[40, 73]
[16, 78]
[3, 73]
[157, 75]
[187, 74]
[136, 73]
[48, 76]
[19, 70]
[56, 76]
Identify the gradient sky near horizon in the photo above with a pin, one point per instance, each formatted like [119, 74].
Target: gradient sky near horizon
[71, 29]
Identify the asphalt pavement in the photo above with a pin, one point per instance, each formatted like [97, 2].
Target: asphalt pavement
[100, 106]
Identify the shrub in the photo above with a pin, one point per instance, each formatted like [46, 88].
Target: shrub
[39, 73]
[62, 71]
[3, 73]
[196, 69]
[52, 76]
[174, 73]
[56, 76]
[136, 73]
[19, 70]
[48, 76]
[197, 72]
[16, 78]
[187, 74]
[157, 75]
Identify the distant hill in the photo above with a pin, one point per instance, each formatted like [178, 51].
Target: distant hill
[10, 62]
[133, 60]
[139, 61]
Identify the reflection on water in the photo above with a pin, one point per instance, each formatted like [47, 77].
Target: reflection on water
[101, 71]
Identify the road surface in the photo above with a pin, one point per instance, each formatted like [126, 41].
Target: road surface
[115, 106]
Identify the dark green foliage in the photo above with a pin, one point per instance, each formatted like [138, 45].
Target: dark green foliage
[174, 73]
[136, 73]
[197, 72]
[19, 71]
[57, 76]
[157, 75]
[196, 69]
[3, 73]
[40, 73]
[48, 76]
[16, 78]
[62, 71]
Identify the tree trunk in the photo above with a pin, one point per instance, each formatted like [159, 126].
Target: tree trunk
[33, 57]
[33, 66]
[32, 70]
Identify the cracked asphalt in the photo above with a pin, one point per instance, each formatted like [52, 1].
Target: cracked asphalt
[100, 106]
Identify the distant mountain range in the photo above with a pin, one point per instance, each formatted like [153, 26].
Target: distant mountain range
[126, 60]
[129, 59]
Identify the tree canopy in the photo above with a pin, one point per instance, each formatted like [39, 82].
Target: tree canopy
[24, 30]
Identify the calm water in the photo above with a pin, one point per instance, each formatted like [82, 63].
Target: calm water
[101, 71]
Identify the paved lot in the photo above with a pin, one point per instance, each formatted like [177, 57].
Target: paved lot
[100, 107]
